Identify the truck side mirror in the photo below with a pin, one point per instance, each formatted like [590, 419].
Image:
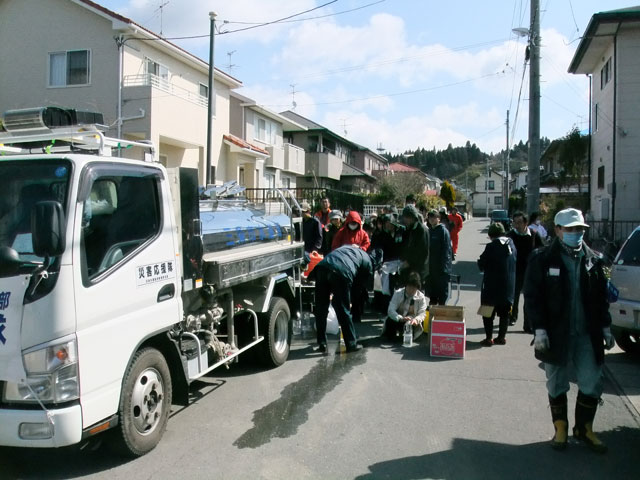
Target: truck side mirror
[47, 229]
[9, 262]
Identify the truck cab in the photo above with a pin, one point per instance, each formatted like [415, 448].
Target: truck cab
[112, 300]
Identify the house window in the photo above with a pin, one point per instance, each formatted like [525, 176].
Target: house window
[204, 90]
[265, 131]
[601, 176]
[313, 142]
[595, 118]
[497, 200]
[490, 185]
[69, 68]
[286, 182]
[605, 74]
[241, 176]
[156, 69]
[271, 180]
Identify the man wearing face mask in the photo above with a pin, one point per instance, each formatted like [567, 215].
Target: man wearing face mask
[351, 233]
[565, 294]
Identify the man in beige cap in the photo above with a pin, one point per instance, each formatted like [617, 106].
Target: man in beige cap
[565, 293]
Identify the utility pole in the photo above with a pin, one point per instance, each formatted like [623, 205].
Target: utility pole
[533, 182]
[210, 100]
[506, 203]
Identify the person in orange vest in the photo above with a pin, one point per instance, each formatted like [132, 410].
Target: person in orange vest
[455, 220]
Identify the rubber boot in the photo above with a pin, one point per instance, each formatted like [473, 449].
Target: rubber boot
[586, 407]
[560, 421]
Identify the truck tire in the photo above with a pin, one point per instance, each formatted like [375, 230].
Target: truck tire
[145, 404]
[275, 325]
[629, 342]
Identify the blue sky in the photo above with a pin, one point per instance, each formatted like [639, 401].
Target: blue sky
[400, 73]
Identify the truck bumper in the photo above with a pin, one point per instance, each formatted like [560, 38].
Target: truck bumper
[19, 425]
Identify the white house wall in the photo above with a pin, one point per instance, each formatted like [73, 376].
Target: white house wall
[38, 27]
[602, 138]
[628, 132]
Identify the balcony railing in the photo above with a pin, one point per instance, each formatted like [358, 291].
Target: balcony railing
[294, 158]
[150, 80]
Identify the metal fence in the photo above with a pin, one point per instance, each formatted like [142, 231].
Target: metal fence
[339, 200]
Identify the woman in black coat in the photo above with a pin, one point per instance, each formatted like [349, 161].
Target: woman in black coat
[498, 262]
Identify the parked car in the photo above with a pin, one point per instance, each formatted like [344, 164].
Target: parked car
[501, 216]
[625, 312]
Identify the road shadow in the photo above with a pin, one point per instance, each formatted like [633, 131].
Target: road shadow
[282, 417]
[476, 459]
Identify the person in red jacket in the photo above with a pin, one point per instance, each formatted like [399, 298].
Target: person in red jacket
[351, 233]
[455, 220]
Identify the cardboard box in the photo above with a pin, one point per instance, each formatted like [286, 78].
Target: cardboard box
[448, 332]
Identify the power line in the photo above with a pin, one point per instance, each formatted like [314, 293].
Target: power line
[229, 22]
[396, 94]
[280, 19]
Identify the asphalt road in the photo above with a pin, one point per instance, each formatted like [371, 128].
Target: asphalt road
[385, 412]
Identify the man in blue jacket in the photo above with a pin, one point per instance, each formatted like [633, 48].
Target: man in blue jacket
[565, 297]
[345, 269]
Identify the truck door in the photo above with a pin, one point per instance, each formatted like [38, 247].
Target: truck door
[126, 278]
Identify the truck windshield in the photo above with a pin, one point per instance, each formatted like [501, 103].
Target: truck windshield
[22, 185]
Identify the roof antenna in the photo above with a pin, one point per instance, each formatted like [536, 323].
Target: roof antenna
[293, 96]
[231, 66]
[161, 8]
[344, 126]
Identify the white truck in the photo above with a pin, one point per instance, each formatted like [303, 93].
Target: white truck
[121, 282]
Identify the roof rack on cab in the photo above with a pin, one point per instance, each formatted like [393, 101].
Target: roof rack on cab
[56, 130]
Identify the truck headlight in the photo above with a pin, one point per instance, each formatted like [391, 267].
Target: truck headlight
[52, 375]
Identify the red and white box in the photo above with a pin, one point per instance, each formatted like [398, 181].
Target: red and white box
[448, 336]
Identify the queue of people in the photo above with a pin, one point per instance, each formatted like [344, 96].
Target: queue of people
[419, 252]
[563, 281]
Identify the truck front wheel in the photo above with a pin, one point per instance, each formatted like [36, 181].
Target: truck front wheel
[275, 325]
[145, 403]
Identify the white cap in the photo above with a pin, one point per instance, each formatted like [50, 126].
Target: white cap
[570, 217]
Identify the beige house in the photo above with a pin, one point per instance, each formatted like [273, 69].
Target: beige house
[487, 194]
[257, 151]
[608, 54]
[70, 53]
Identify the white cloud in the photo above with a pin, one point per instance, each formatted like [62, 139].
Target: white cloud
[438, 128]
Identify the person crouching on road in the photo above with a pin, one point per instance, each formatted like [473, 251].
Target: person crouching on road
[565, 297]
[408, 304]
[351, 233]
[498, 262]
[343, 271]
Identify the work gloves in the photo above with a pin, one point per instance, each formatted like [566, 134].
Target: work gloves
[609, 342]
[541, 340]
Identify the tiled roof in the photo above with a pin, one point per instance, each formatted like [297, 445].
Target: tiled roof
[351, 171]
[403, 167]
[311, 125]
[244, 144]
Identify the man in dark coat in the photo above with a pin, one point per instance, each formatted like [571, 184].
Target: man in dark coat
[439, 260]
[526, 241]
[343, 271]
[311, 230]
[565, 297]
[498, 262]
[335, 223]
[415, 248]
